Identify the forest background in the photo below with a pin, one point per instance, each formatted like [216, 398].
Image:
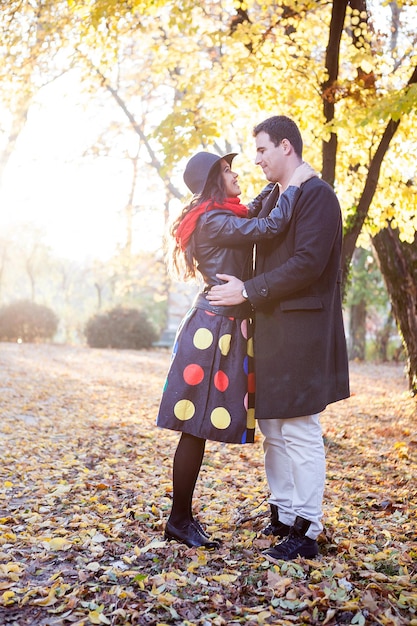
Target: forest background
[102, 103]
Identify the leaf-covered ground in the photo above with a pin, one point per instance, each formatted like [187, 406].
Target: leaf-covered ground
[85, 489]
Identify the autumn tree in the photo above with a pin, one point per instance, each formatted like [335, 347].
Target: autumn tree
[373, 206]
[34, 51]
[125, 136]
[26, 260]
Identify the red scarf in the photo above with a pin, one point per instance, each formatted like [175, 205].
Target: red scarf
[189, 222]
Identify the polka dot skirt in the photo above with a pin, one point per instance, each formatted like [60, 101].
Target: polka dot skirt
[209, 390]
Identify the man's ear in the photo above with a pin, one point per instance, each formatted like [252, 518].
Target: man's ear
[287, 146]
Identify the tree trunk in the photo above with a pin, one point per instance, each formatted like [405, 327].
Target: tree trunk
[357, 328]
[329, 148]
[382, 338]
[398, 263]
[99, 291]
[18, 123]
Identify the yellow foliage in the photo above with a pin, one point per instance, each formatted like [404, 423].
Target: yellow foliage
[56, 544]
[8, 597]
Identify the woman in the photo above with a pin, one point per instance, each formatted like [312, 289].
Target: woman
[209, 391]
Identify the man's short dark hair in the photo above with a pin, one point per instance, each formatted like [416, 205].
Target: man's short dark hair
[280, 127]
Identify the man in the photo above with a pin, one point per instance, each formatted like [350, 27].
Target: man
[300, 348]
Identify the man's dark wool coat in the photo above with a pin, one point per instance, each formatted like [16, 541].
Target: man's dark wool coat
[301, 362]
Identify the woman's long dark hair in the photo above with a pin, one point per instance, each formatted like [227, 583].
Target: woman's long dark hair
[182, 263]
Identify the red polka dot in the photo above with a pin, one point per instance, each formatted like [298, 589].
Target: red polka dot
[251, 383]
[221, 381]
[193, 374]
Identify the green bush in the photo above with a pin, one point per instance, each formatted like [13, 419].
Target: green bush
[26, 321]
[120, 328]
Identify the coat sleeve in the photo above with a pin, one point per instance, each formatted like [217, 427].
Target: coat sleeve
[317, 225]
[257, 203]
[225, 229]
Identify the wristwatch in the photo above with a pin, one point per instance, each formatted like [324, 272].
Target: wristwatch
[244, 293]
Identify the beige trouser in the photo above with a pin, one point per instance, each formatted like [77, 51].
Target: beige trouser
[295, 467]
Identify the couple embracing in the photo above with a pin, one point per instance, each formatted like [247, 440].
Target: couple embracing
[278, 323]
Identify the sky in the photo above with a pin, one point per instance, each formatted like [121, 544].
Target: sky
[75, 200]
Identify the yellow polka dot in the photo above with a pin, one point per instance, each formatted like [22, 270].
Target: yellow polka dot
[220, 418]
[203, 338]
[250, 347]
[224, 344]
[184, 410]
[250, 421]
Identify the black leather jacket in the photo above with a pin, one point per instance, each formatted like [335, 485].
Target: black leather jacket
[214, 257]
[223, 244]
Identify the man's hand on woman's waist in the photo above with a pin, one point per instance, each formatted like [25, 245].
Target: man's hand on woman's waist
[228, 293]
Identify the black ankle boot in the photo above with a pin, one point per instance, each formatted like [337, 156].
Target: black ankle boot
[200, 528]
[295, 544]
[275, 527]
[189, 534]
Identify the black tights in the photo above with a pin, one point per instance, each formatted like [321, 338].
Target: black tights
[187, 463]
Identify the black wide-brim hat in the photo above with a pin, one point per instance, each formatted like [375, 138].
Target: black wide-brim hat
[200, 166]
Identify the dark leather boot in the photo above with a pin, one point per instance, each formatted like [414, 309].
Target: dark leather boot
[189, 534]
[275, 527]
[295, 544]
[200, 527]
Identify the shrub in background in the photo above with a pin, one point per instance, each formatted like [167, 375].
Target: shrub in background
[27, 321]
[120, 328]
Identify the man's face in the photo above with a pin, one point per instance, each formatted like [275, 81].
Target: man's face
[270, 157]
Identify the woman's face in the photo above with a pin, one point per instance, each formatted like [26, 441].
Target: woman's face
[230, 180]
